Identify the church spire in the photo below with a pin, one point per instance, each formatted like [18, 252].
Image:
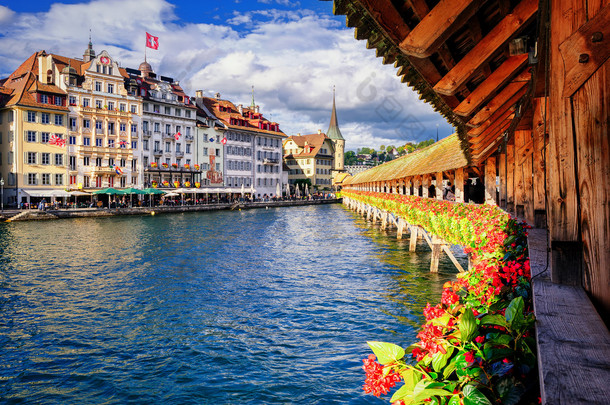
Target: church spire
[333, 129]
[89, 52]
[252, 104]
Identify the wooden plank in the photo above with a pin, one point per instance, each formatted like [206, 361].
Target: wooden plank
[501, 112]
[488, 142]
[459, 184]
[452, 258]
[438, 25]
[591, 111]
[502, 175]
[436, 254]
[566, 17]
[495, 81]
[413, 238]
[501, 101]
[490, 181]
[585, 51]
[524, 152]
[510, 25]
[424, 185]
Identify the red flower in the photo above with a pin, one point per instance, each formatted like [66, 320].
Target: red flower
[469, 357]
[375, 382]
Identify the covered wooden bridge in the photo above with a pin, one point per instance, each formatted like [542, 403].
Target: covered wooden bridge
[526, 85]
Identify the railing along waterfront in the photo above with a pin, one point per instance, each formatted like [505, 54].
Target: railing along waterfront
[478, 343]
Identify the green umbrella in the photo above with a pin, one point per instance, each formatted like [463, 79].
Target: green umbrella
[153, 190]
[132, 190]
[109, 191]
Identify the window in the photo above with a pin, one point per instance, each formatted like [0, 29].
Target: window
[145, 144]
[86, 141]
[98, 86]
[110, 161]
[144, 107]
[86, 102]
[122, 127]
[44, 137]
[111, 128]
[168, 147]
[59, 119]
[99, 142]
[217, 152]
[44, 99]
[98, 127]
[187, 114]
[110, 105]
[167, 160]
[157, 146]
[86, 161]
[98, 162]
[168, 129]
[134, 109]
[205, 151]
[59, 179]
[86, 123]
[110, 70]
[72, 162]
[46, 179]
[178, 147]
[134, 144]
[188, 148]
[157, 127]
[31, 158]
[72, 100]
[188, 131]
[111, 143]
[45, 118]
[110, 88]
[58, 100]
[72, 122]
[98, 104]
[122, 107]
[72, 140]
[32, 179]
[218, 167]
[31, 136]
[168, 110]
[178, 112]
[98, 182]
[86, 182]
[72, 179]
[45, 158]
[134, 128]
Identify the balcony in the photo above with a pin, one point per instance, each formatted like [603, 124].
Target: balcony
[168, 135]
[146, 134]
[189, 137]
[157, 152]
[104, 150]
[270, 161]
[134, 135]
[179, 153]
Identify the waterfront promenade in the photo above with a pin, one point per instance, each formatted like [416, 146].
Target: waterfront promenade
[49, 214]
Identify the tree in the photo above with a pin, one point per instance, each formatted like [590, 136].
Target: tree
[389, 148]
[349, 158]
[382, 148]
[401, 150]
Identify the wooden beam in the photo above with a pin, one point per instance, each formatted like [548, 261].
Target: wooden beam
[481, 142]
[483, 51]
[506, 95]
[439, 185]
[496, 80]
[501, 114]
[540, 138]
[459, 184]
[491, 144]
[387, 18]
[438, 25]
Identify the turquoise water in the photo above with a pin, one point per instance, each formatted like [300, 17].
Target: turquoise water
[251, 307]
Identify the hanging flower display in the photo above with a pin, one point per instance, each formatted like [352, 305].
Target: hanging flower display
[197, 167]
[187, 166]
[176, 184]
[187, 184]
[165, 166]
[175, 165]
[154, 184]
[165, 183]
[197, 184]
[154, 165]
[477, 345]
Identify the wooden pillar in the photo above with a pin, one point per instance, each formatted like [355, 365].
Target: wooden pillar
[436, 254]
[540, 140]
[439, 186]
[502, 176]
[408, 185]
[400, 227]
[490, 181]
[413, 240]
[384, 220]
[459, 185]
[424, 185]
[510, 178]
[523, 175]
[416, 183]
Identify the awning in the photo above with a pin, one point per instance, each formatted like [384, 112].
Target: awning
[45, 192]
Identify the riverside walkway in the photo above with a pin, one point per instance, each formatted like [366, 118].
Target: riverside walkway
[29, 215]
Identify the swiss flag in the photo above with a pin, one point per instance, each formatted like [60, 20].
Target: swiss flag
[177, 135]
[152, 41]
[224, 141]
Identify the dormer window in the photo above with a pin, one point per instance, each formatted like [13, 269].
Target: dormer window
[49, 76]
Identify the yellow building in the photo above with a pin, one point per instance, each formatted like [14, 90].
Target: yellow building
[33, 126]
[310, 157]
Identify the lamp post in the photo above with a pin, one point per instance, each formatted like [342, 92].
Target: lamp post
[2, 194]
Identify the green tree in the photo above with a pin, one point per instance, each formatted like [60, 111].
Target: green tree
[349, 158]
[382, 148]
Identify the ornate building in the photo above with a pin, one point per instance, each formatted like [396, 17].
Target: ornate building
[209, 150]
[334, 133]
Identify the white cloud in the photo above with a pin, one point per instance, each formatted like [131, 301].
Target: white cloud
[293, 58]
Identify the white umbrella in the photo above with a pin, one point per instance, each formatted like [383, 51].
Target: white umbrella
[297, 191]
[243, 189]
[287, 190]
[278, 192]
[306, 189]
[252, 190]
[172, 194]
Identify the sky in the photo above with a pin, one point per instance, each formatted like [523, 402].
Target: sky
[293, 52]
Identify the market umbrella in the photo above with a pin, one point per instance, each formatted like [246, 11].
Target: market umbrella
[76, 193]
[243, 189]
[278, 192]
[109, 191]
[153, 190]
[297, 190]
[131, 191]
[306, 190]
[288, 190]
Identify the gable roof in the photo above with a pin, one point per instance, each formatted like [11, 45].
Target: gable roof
[316, 141]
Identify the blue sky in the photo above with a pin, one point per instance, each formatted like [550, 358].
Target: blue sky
[292, 52]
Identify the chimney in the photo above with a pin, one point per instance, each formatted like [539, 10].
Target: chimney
[257, 109]
[319, 131]
[217, 96]
[199, 94]
[240, 108]
[298, 134]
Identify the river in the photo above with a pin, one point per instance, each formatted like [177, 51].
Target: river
[252, 307]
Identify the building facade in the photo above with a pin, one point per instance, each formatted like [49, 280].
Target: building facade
[209, 146]
[253, 149]
[33, 129]
[310, 157]
[334, 133]
[169, 123]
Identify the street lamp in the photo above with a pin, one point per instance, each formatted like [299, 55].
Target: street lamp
[2, 194]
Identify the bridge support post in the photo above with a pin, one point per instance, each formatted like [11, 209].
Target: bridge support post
[400, 228]
[384, 220]
[436, 254]
[413, 241]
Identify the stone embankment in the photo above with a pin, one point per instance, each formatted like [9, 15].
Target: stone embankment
[33, 215]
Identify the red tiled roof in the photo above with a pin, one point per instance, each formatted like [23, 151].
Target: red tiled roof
[314, 140]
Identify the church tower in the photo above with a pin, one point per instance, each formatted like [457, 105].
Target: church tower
[335, 136]
[89, 52]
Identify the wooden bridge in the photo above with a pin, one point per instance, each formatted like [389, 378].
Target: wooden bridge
[389, 220]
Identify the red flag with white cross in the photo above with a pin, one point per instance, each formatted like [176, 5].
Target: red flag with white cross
[152, 41]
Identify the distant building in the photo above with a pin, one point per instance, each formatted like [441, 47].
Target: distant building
[310, 157]
[253, 149]
[355, 169]
[334, 133]
[209, 150]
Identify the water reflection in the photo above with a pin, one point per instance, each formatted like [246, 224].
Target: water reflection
[259, 306]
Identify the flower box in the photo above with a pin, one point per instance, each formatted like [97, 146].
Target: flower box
[197, 167]
[187, 166]
[165, 183]
[187, 184]
[197, 184]
[174, 165]
[176, 184]
[154, 165]
[164, 165]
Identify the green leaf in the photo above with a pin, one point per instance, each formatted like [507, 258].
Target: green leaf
[494, 320]
[455, 400]
[439, 360]
[501, 340]
[473, 396]
[387, 352]
[429, 393]
[468, 325]
[449, 369]
[514, 312]
[403, 392]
